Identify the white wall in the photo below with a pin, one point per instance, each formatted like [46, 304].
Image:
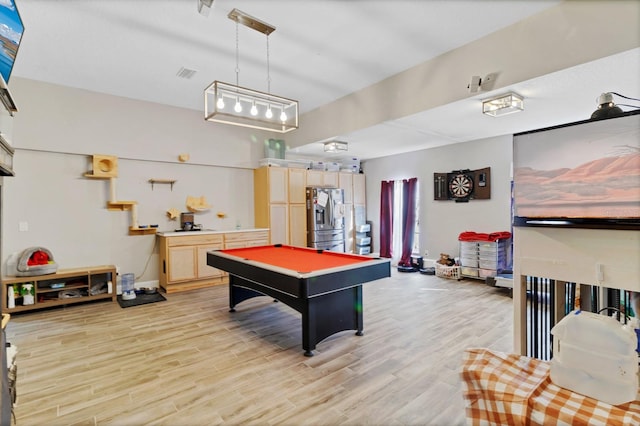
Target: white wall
[55, 132]
[442, 221]
[62, 119]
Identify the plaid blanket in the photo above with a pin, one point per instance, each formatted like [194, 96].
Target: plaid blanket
[509, 389]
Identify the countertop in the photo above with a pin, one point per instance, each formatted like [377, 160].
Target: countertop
[206, 232]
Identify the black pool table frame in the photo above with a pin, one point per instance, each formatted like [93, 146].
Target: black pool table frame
[330, 301]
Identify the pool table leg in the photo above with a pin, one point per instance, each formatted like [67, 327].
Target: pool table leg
[239, 294]
[330, 313]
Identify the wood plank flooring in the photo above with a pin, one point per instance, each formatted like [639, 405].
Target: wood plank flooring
[188, 361]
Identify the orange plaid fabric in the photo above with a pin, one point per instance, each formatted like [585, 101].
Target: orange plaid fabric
[509, 389]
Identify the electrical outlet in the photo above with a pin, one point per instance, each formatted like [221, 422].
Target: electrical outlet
[426, 253]
[23, 226]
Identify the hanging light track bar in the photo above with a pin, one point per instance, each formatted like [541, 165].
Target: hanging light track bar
[249, 21]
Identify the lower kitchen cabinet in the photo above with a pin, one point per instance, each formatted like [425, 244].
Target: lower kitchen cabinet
[183, 262]
[64, 287]
[183, 256]
[239, 239]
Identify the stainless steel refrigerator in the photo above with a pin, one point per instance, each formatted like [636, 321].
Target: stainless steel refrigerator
[325, 218]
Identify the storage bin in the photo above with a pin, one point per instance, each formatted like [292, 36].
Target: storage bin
[469, 261]
[352, 164]
[363, 250]
[488, 264]
[470, 272]
[488, 248]
[363, 228]
[596, 356]
[363, 241]
[299, 164]
[332, 167]
[452, 272]
[483, 273]
[468, 249]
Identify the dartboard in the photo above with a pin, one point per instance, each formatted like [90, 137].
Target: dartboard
[460, 185]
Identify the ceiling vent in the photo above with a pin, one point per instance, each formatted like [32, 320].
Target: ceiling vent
[186, 73]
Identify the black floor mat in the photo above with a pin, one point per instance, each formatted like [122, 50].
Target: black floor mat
[141, 299]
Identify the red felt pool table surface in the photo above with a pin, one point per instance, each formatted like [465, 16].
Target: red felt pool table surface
[299, 259]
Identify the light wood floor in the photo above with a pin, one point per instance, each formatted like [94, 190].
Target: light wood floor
[188, 361]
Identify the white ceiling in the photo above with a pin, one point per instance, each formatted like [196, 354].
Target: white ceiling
[321, 51]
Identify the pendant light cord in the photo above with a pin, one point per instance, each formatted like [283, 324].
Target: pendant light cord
[237, 57]
[268, 69]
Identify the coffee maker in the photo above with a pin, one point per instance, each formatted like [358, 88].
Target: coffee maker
[186, 221]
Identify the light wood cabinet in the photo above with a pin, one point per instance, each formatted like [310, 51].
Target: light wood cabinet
[278, 182]
[359, 189]
[287, 220]
[183, 257]
[65, 287]
[183, 262]
[315, 178]
[271, 189]
[320, 178]
[238, 239]
[298, 225]
[345, 182]
[279, 223]
[297, 185]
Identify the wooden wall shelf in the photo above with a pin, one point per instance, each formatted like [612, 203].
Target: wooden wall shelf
[162, 181]
[121, 205]
[142, 231]
[92, 176]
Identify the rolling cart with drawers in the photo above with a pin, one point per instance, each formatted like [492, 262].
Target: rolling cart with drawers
[484, 259]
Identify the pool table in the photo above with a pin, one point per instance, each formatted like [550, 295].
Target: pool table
[324, 286]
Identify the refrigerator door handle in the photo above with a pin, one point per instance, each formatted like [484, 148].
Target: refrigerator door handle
[330, 207]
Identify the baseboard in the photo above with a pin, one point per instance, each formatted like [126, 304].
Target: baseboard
[140, 284]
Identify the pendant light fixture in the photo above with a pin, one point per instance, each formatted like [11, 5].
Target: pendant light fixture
[239, 106]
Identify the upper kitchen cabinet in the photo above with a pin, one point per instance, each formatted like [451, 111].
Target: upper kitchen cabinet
[320, 178]
[271, 200]
[297, 185]
[345, 182]
[271, 184]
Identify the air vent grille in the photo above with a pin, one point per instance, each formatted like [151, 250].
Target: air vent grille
[185, 73]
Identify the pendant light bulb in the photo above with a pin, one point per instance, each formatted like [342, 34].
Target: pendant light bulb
[254, 109]
[220, 103]
[269, 113]
[283, 116]
[238, 106]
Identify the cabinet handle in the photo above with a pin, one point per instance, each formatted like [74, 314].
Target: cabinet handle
[164, 266]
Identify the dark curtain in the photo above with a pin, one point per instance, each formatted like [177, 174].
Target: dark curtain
[386, 219]
[408, 219]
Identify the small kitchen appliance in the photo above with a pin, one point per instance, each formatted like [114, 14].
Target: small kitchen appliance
[186, 221]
